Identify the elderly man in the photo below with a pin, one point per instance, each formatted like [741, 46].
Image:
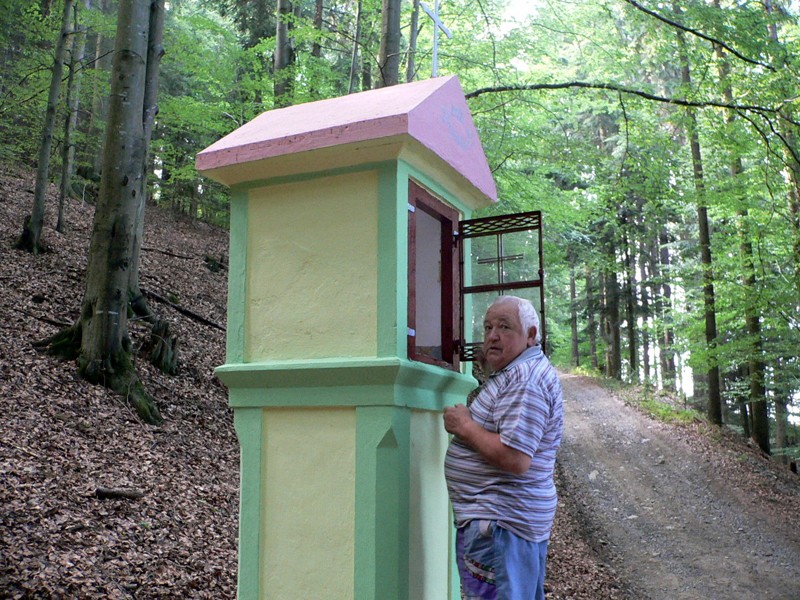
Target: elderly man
[499, 466]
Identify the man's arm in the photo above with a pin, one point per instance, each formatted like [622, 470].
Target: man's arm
[458, 421]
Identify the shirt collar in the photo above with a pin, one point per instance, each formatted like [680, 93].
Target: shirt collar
[527, 354]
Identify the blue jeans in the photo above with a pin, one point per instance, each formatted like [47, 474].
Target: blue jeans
[495, 564]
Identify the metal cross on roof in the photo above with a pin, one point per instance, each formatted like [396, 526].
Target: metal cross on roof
[437, 25]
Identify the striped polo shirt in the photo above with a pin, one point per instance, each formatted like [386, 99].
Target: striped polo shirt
[523, 403]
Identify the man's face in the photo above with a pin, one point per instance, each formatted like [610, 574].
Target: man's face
[503, 338]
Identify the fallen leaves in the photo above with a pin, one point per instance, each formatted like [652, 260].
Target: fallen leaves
[64, 438]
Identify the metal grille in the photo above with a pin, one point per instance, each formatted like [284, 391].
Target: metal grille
[502, 224]
[468, 351]
[499, 226]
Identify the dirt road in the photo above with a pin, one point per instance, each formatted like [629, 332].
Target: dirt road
[677, 518]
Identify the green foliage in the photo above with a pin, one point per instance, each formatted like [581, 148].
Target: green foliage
[587, 372]
[611, 169]
[27, 40]
[669, 414]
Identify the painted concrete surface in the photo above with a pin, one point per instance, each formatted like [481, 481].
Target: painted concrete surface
[312, 269]
[308, 495]
[342, 490]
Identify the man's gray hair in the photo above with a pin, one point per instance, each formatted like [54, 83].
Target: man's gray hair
[528, 316]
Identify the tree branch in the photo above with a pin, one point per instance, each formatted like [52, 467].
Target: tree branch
[104, 493]
[699, 34]
[60, 324]
[622, 89]
[184, 311]
[166, 252]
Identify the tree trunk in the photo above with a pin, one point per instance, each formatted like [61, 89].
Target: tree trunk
[630, 310]
[757, 368]
[591, 324]
[714, 402]
[162, 346]
[71, 121]
[31, 238]
[645, 295]
[284, 55]
[573, 320]
[781, 422]
[661, 263]
[104, 53]
[106, 351]
[610, 325]
[745, 416]
[411, 68]
[316, 48]
[366, 65]
[389, 56]
[736, 379]
[354, 57]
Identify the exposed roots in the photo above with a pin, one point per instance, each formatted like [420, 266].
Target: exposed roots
[117, 373]
[162, 348]
[26, 241]
[64, 345]
[162, 345]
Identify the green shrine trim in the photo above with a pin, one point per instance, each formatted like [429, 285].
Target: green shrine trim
[345, 382]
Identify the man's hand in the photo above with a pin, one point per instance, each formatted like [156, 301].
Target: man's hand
[456, 419]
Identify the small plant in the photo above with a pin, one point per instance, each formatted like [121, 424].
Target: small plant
[658, 404]
[664, 411]
[587, 372]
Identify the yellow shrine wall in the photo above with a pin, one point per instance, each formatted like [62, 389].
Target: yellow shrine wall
[308, 495]
[312, 244]
[429, 515]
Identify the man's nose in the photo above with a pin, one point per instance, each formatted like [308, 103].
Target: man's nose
[492, 333]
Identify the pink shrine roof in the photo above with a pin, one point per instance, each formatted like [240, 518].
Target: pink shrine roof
[432, 112]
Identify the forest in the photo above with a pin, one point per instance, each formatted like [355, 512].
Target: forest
[660, 140]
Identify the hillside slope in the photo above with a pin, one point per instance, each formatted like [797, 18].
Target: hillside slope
[63, 438]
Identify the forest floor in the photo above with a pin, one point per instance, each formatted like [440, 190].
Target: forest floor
[647, 510]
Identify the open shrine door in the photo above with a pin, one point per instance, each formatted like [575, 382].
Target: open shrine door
[498, 255]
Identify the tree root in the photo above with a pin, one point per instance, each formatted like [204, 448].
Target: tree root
[118, 374]
[25, 240]
[162, 347]
[64, 345]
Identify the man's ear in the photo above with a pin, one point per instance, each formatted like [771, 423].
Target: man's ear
[532, 336]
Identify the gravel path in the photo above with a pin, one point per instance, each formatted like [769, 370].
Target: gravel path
[674, 522]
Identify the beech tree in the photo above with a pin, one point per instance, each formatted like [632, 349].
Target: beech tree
[284, 54]
[71, 121]
[714, 399]
[99, 339]
[31, 237]
[389, 58]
